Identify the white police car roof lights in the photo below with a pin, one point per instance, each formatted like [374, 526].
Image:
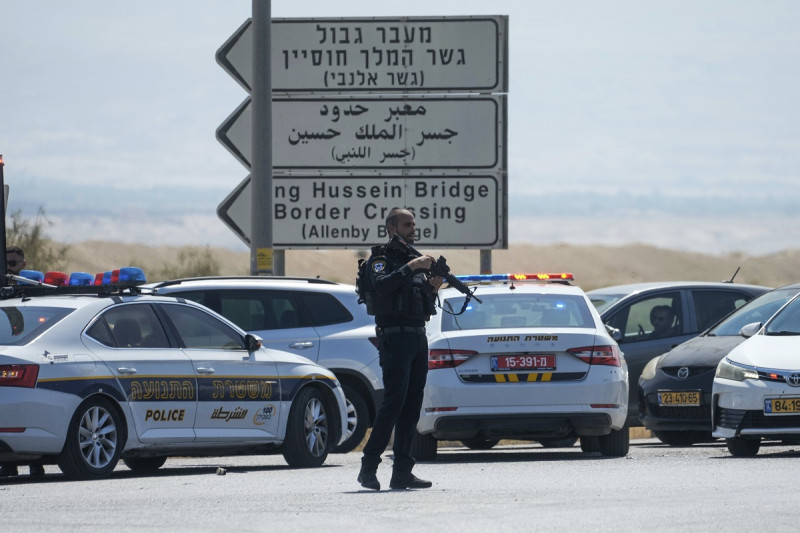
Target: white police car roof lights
[485, 279]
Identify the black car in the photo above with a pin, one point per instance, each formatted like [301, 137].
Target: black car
[689, 307]
[674, 392]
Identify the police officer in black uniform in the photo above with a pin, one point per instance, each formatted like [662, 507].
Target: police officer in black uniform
[403, 301]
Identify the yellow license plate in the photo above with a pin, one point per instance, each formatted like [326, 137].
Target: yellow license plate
[679, 398]
[780, 406]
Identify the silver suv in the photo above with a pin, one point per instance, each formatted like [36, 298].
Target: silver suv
[318, 319]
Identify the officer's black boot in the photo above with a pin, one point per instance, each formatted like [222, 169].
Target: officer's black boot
[407, 480]
[367, 477]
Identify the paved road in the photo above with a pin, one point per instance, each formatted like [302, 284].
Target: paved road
[512, 488]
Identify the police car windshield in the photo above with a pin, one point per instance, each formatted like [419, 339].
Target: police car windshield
[517, 310]
[20, 325]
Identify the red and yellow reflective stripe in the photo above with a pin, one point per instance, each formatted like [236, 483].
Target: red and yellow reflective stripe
[515, 378]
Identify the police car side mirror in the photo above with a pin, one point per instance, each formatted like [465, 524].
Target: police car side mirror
[252, 342]
[749, 330]
[615, 333]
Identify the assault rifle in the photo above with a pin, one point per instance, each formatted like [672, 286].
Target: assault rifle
[439, 269]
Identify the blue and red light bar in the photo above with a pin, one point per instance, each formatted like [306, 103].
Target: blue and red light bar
[125, 275]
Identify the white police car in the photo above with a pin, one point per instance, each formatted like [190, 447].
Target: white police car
[104, 374]
[533, 361]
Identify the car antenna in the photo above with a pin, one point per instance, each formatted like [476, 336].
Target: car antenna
[734, 275]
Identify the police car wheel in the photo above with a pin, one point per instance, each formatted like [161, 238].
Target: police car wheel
[616, 443]
[307, 432]
[357, 420]
[94, 441]
[144, 464]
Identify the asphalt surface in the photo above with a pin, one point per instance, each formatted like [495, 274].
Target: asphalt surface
[511, 488]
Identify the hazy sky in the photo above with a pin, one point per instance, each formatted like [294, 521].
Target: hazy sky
[668, 122]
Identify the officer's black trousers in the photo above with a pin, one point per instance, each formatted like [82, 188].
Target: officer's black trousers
[404, 360]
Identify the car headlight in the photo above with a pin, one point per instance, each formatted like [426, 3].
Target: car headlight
[734, 371]
[649, 371]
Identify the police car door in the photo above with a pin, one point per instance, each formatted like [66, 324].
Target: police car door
[238, 396]
[157, 379]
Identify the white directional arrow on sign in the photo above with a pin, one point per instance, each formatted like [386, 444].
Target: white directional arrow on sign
[236, 133]
[236, 55]
[235, 211]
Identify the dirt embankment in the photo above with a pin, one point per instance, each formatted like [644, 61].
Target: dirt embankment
[592, 266]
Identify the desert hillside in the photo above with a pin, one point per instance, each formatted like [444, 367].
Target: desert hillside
[593, 266]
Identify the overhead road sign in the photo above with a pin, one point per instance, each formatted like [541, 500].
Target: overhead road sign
[405, 54]
[452, 211]
[349, 132]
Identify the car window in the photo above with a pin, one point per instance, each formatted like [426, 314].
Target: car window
[20, 325]
[712, 305]
[786, 321]
[200, 330]
[324, 309]
[601, 302]
[517, 311]
[757, 310]
[252, 310]
[129, 326]
[653, 317]
[245, 310]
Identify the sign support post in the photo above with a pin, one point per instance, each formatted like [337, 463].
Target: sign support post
[3, 267]
[261, 251]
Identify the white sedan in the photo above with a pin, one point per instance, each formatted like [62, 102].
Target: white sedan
[533, 361]
[88, 379]
[756, 391]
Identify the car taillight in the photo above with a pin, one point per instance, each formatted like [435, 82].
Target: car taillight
[18, 375]
[597, 355]
[448, 358]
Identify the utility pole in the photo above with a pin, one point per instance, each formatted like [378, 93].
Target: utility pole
[3, 269]
[262, 257]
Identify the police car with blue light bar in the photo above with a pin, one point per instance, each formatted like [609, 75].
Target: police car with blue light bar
[532, 361]
[91, 374]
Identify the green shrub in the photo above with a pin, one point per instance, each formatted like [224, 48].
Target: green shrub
[41, 253]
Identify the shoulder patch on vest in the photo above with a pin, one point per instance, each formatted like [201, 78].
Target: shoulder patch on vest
[378, 266]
